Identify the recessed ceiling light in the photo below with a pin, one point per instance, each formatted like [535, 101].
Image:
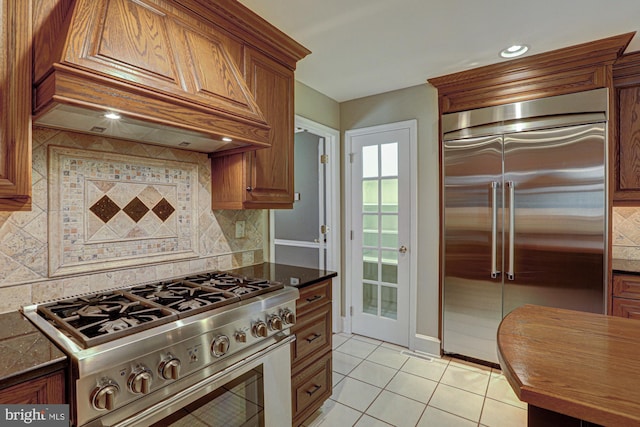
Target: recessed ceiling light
[513, 51]
[227, 139]
[113, 116]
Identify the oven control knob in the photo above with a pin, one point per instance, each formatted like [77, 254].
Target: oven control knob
[241, 336]
[220, 345]
[259, 329]
[288, 316]
[104, 396]
[169, 369]
[275, 322]
[140, 381]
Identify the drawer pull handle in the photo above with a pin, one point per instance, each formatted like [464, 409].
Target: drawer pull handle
[314, 298]
[313, 337]
[313, 389]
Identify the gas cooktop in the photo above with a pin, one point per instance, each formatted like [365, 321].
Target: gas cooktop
[95, 319]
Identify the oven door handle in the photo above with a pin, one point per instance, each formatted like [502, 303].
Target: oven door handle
[195, 388]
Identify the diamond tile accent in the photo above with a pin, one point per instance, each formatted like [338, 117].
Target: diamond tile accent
[163, 209]
[105, 209]
[119, 231]
[136, 209]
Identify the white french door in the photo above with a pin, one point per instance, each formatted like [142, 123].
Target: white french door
[380, 204]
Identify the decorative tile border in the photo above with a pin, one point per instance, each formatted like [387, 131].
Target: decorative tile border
[110, 210]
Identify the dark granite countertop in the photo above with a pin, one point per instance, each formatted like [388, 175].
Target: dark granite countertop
[25, 352]
[287, 274]
[626, 265]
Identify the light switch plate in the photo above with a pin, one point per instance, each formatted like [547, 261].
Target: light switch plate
[239, 229]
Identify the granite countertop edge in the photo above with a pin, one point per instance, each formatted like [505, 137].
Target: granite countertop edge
[625, 265]
[25, 352]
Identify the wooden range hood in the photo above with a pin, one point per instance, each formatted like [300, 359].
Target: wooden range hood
[173, 70]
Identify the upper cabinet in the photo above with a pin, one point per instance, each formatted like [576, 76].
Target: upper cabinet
[15, 112]
[174, 70]
[626, 147]
[261, 179]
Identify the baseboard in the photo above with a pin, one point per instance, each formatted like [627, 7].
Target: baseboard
[426, 345]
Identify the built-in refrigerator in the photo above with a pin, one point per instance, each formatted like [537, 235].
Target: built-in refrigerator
[524, 214]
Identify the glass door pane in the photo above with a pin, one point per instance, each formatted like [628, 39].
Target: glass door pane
[380, 229]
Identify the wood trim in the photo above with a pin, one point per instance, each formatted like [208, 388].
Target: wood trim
[70, 87]
[255, 30]
[572, 69]
[626, 70]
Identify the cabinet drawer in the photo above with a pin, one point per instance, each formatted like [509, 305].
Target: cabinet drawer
[313, 296]
[626, 286]
[311, 387]
[313, 334]
[628, 308]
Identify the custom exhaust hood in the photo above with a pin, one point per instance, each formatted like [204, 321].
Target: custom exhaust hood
[172, 76]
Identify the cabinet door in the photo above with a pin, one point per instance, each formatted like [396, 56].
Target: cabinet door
[44, 390]
[270, 179]
[625, 159]
[627, 167]
[15, 109]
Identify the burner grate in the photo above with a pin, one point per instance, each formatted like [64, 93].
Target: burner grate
[186, 298]
[96, 319]
[240, 286]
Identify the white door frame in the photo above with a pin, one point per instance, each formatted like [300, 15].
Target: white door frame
[332, 205]
[412, 125]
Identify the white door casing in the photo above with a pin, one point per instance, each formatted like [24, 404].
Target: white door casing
[330, 205]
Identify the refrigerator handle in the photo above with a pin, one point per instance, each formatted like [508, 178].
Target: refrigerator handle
[494, 229]
[512, 231]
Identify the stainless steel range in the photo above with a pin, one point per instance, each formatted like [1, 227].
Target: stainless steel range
[149, 353]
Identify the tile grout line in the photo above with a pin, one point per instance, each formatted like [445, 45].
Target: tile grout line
[380, 344]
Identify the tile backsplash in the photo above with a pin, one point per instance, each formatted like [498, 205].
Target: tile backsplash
[626, 233]
[109, 213]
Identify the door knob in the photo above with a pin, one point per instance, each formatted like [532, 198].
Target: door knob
[403, 249]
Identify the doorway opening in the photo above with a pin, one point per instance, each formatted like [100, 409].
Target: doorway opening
[309, 234]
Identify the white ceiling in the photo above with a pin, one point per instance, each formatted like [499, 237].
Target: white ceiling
[366, 47]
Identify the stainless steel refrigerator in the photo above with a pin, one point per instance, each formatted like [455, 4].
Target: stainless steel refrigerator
[524, 214]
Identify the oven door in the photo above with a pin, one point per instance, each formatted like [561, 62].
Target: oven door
[254, 391]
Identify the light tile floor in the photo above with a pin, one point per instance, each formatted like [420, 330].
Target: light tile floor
[381, 384]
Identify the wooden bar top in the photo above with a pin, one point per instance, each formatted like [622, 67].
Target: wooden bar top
[579, 364]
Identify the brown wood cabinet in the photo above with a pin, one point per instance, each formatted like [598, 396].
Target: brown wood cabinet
[15, 109]
[213, 69]
[573, 69]
[151, 60]
[626, 144]
[261, 179]
[311, 367]
[626, 296]
[48, 389]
